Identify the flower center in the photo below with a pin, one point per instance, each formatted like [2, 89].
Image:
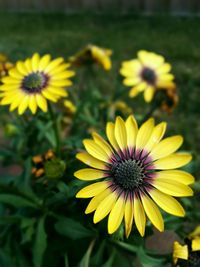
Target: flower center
[128, 174]
[148, 75]
[34, 82]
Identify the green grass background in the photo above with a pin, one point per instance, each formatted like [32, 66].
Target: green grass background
[178, 39]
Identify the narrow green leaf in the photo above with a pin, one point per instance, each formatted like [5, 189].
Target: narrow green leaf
[16, 201]
[40, 243]
[86, 258]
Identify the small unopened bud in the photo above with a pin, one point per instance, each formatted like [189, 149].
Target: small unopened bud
[10, 130]
[54, 169]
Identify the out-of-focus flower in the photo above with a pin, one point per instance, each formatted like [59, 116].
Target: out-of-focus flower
[188, 254]
[137, 172]
[39, 162]
[34, 81]
[54, 169]
[5, 65]
[92, 54]
[70, 107]
[122, 107]
[170, 101]
[148, 73]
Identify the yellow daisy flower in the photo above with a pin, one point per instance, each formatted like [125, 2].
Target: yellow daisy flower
[188, 254]
[148, 73]
[34, 81]
[93, 54]
[137, 173]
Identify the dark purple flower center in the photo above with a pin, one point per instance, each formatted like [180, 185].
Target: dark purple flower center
[148, 75]
[34, 82]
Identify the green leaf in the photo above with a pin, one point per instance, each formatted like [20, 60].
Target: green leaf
[16, 201]
[5, 260]
[86, 258]
[148, 261]
[72, 229]
[40, 243]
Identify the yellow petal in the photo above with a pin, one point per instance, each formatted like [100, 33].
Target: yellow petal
[131, 130]
[44, 61]
[95, 201]
[63, 75]
[133, 92]
[167, 203]
[176, 175]
[91, 161]
[166, 147]
[103, 144]
[95, 150]
[57, 91]
[172, 188]
[15, 74]
[92, 190]
[120, 133]
[59, 69]
[11, 80]
[173, 161]
[89, 174]
[166, 67]
[23, 105]
[61, 83]
[196, 244]
[49, 95]
[41, 102]
[149, 93]
[32, 104]
[166, 77]
[128, 216]
[137, 89]
[116, 215]
[179, 252]
[156, 136]
[22, 68]
[28, 65]
[35, 62]
[131, 81]
[104, 207]
[144, 133]
[110, 132]
[153, 213]
[53, 64]
[139, 216]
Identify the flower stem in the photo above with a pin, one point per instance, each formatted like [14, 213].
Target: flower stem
[56, 130]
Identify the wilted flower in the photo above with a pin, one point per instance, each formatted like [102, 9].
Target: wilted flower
[188, 254]
[148, 73]
[137, 171]
[93, 54]
[170, 100]
[5, 65]
[122, 107]
[39, 162]
[34, 81]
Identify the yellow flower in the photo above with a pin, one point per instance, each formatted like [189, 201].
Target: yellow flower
[189, 253]
[136, 173]
[34, 81]
[148, 73]
[93, 54]
[71, 108]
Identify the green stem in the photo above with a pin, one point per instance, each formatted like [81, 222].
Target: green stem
[56, 130]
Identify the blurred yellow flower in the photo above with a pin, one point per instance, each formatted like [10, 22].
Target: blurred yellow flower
[34, 81]
[188, 254]
[148, 73]
[5, 65]
[122, 107]
[93, 54]
[71, 108]
[137, 172]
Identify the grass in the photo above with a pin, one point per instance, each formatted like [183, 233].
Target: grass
[176, 38]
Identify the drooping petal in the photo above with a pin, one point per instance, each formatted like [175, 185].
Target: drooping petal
[128, 216]
[91, 161]
[153, 212]
[167, 146]
[89, 174]
[149, 93]
[180, 252]
[92, 190]
[139, 216]
[173, 161]
[167, 203]
[42, 103]
[116, 215]
[32, 104]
